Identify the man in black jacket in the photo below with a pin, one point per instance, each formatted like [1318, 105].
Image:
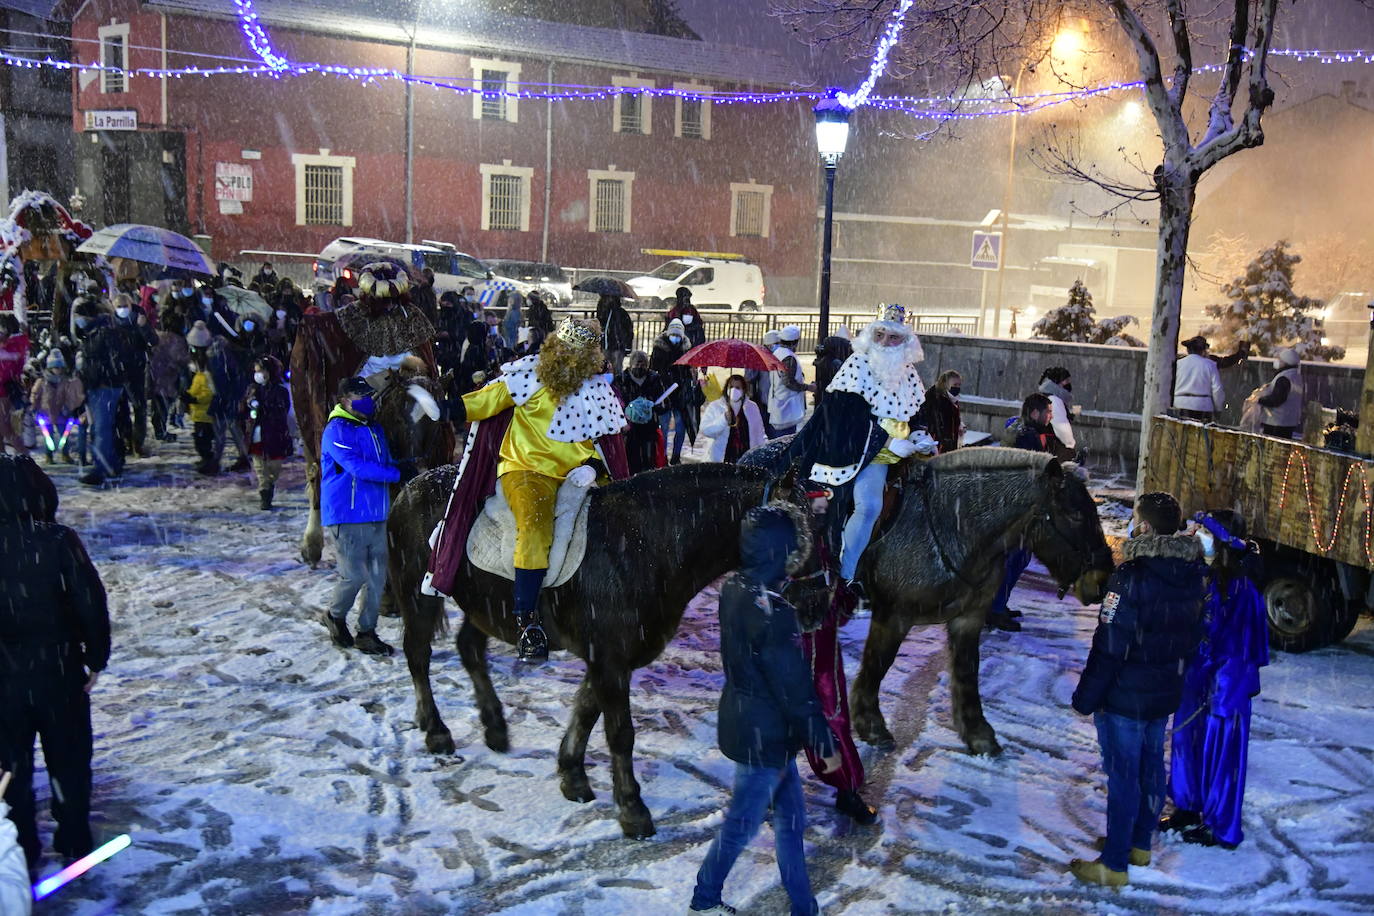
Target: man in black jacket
[1151, 620]
[54, 639]
[107, 358]
[768, 712]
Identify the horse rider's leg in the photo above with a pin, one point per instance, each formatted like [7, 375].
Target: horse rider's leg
[472, 649]
[964, 633]
[312, 542]
[572, 753]
[613, 694]
[532, 498]
[419, 632]
[858, 530]
[880, 651]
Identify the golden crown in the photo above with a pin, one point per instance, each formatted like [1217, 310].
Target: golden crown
[892, 312]
[577, 335]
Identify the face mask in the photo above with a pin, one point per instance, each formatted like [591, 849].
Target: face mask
[260, 378]
[248, 325]
[955, 391]
[1130, 529]
[736, 395]
[207, 300]
[82, 323]
[363, 407]
[186, 293]
[281, 314]
[122, 312]
[675, 338]
[53, 375]
[1208, 541]
[639, 373]
[606, 377]
[687, 319]
[1068, 386]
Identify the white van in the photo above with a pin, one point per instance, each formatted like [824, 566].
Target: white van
[716, 283]
[453, 269]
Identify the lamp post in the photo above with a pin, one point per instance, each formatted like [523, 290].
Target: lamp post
[832, 133]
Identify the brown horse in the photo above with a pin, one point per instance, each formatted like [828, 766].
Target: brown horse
[653, 542]
[943, 559]
[322, 357]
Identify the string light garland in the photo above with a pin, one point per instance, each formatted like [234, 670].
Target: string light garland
[1326, 545]
[878, 66]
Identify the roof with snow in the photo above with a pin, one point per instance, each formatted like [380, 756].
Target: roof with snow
[461, 27]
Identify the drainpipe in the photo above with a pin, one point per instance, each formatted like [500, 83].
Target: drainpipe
[548, 167]
[410, 141]
[163, 17]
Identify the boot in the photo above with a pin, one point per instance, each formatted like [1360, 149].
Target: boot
[367, 642]
[265, 497]
[1004, 622]
[1179, 820]
[1202, 835]
[1139, 857]
[859, 596]
[242, 464]
[534, 645]
[338, 630]
[92, 478]
[852, 805]
[1097, 873]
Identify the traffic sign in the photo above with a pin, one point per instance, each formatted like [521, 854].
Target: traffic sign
[987, 251]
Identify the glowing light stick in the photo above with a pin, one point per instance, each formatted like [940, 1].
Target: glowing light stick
[80, 866]
[72, 423]
[47, 430]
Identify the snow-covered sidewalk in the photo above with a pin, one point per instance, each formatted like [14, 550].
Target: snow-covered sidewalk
[260, 770]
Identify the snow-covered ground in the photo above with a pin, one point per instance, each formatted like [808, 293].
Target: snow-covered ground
[260, 770]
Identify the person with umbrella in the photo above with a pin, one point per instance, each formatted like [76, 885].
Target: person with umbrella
[678, 409]
[733, 423]
[618, 330]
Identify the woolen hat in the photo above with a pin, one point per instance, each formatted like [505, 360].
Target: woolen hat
[198, 336]
[55, 359]
[677, 327]
[770, 338]
[1288, 357]
[790, 333]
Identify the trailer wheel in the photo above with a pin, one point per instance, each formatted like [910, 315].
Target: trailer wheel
[1305, 607]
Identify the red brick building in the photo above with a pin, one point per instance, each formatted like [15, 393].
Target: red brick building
[581, 183]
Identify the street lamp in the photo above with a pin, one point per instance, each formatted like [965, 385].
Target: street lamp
[832, 133]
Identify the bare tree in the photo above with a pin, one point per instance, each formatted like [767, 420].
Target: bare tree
[966, 37]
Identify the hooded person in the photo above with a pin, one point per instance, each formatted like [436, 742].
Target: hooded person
[1056, 383]
[830, 356]
[544, 414]
[57, 398]
[617, 328]
[678, 411]
[687, 313]
[1282, 400]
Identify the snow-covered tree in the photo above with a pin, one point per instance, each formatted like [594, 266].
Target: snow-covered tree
[1076, 322]
[1263, 308]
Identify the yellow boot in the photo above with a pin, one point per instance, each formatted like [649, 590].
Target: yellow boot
[1139, 857]
[1096, 873]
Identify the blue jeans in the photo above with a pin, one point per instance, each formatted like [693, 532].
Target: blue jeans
[1133, 758]
[1017, 561]
[679, 434]
[868, 505]
[362, 548]
[755, 788]
[102, 403]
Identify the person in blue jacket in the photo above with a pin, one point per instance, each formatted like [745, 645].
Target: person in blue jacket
[1150, 623]
[768, 712]
[356, 473]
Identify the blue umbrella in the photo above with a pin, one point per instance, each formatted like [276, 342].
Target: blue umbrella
[150, 245]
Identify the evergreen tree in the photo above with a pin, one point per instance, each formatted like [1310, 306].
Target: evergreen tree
[1075, 322]
[1263, 308]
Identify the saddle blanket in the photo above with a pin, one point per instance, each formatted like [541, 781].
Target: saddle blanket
[491, 545]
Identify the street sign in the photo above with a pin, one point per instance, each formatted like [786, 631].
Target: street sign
[987, 251]
[233, 181]
[111, 120]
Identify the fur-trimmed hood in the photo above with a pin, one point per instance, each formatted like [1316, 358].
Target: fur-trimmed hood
[1166, 546]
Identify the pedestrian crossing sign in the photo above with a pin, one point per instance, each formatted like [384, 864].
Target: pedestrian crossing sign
[987, 251]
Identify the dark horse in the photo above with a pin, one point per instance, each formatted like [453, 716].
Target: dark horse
[322, 357]
[943, 557]
[653, 542]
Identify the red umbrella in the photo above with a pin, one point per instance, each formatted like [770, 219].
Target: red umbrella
[730, 353]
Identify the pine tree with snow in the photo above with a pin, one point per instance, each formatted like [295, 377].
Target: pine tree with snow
[1263, 309]
[1075, 322]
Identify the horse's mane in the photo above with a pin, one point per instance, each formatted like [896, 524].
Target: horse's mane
[991, 459]
[684, 476]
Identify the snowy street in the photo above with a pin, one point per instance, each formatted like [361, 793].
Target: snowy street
[260, 770]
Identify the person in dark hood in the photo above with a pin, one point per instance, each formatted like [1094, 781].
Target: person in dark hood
[106, 355]
[266, 276]
[423, 295]
[1149, 625]
[450, 324]
[54, 641]
[537, 314]
[639, 387]
[618, 330]
[140, 339]
[269, 425]
[684, 311]
[475, 366]
[768, 712]
[830, 356]
[679, 408]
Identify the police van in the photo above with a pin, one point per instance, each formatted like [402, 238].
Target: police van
[717, 281]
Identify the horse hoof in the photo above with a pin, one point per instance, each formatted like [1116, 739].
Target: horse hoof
[983, 745]
[440, 742]
[577, 790]
[876, 735]
[638, 828]
[497, 739]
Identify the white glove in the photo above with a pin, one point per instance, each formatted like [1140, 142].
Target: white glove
[902, 448]
[924, 442]
[582, 476]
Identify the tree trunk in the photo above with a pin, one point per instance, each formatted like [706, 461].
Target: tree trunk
[1178, 192]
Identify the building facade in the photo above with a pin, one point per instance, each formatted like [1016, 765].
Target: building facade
[36, 143]
[288, 164]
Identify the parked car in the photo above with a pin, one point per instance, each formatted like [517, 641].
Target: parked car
[716, 283]
[546, 278]
[452, 268]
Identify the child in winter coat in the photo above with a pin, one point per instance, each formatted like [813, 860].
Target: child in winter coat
[199, 397]
[16, 896]
[269, 425]
[57, 399]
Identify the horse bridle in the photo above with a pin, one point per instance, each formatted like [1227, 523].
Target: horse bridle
[1084, 556]
[394, 384]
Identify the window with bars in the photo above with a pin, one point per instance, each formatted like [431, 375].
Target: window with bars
[692, 121]
[113, 54]
[504, 204]
[610, 205]
[632, 114]
[324, 195]
[750, 220]
[493, 97]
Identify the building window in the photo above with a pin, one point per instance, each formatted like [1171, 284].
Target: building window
[495, 78]
[114, 58]
[506, 197]
[610, 193]
[324, 189]
[750, 210]
[692, 117]
[634, 112]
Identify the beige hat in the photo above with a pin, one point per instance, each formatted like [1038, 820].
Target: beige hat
[198, 336]
[1287, 358]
